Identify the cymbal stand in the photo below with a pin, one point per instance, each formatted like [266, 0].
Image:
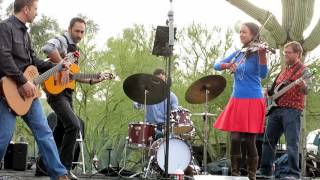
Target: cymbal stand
[148, 167]
[205, 127]
[143, 140]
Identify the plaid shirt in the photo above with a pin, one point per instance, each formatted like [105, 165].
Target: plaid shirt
[294, 97]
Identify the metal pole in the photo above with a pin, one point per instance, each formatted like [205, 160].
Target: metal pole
[171, 44]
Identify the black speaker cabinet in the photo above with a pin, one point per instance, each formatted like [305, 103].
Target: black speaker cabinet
[20, 151]
[8, 157]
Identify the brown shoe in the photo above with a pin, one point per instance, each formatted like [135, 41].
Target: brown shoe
[64, 177]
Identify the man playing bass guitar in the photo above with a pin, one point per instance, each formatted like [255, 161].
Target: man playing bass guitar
[285, 118]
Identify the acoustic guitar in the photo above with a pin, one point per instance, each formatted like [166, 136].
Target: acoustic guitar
[15, 100]
[53, 84]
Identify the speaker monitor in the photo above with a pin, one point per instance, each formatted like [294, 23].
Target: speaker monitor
[161, 41]
[19, 161]
[8, 157]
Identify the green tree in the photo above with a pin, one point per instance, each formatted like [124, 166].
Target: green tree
[41, 31]
[199, 48]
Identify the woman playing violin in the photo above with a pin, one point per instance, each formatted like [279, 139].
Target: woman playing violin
[244, 114]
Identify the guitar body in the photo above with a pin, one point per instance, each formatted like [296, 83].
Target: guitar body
[53, 84]
[19, 104]
[271, 105]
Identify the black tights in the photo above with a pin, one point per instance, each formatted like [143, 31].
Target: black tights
[250, 140]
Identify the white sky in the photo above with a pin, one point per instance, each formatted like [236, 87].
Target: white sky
[113, 16]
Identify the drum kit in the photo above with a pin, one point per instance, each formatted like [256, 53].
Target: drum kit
[147, 89]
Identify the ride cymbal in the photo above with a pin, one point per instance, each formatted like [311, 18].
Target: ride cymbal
[136, 85]
[196, 93]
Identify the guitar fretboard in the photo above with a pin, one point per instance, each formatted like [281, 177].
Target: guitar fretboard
[79, 76]
[47, 74]
[44, 76]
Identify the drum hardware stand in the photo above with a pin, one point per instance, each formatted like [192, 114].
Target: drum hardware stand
[205, 146]
[143, 140]
[125, 155]
[194, 165]
[110, 168]
[148, 167]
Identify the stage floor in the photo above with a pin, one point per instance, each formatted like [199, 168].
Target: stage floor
[29, 175]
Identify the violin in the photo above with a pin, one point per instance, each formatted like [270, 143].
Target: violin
[255, 46]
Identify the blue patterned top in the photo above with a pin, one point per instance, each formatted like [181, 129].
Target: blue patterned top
[248, 75]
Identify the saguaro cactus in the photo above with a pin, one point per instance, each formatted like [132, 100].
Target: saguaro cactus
[296, 17]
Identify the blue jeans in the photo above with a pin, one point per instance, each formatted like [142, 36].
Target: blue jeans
[285, 121]
[38, 124]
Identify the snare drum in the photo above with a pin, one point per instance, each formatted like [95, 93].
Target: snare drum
[179, 154]
[141, 134]
[183, 124]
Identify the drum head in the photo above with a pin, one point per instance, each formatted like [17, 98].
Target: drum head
[179, 155]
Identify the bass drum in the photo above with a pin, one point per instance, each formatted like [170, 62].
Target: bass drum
[179, 154]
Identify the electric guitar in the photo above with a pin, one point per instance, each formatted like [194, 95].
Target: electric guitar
[53, 84]
[281, 89]
[15, 100]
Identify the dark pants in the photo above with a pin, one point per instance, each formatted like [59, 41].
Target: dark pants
[68, 123]
[58, 133]
[285, 121]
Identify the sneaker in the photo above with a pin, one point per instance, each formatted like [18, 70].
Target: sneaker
[289, 178]
[263, 175]
[71, 176]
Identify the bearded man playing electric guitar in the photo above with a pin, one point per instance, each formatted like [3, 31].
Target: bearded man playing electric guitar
[285, 118]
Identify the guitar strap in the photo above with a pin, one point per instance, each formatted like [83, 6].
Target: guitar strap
[271, 91]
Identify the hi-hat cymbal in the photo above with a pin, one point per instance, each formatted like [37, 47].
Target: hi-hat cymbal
[196, 93]
[203, 114]
[136, 85]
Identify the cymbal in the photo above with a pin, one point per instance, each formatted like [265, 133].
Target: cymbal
[136, 85]
[203, 114]
[196, 93]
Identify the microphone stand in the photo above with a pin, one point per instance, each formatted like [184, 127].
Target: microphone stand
[170, 49]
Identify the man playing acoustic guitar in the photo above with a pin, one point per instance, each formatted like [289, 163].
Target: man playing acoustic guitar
[19, 67]
[61, 102]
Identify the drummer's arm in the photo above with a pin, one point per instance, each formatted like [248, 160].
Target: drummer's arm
[137, 105]
[174, 102]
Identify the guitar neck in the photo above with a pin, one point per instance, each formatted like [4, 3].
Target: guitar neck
[40, 79]
[286, 88]
[80, 76]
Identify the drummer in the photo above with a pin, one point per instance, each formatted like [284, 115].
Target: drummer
[156, 114]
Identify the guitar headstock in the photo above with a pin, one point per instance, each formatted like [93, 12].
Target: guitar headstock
[72, 56]
[308, 73]
[107, 76]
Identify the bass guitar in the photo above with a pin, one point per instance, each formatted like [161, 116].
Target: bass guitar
[281, 89]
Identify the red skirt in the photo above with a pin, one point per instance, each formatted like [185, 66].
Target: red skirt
[242, 115]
